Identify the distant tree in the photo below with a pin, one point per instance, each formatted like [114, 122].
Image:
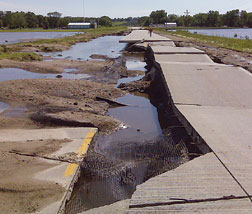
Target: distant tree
[249, 20]
[54, 14]
[213, 18]
[244, 18]
[200, 20]
[159, 16]
[31, 20]
[64, 22]
[232, 18]
[54, 19]
[45, 23]
[18, 20]
[105, 21]
[172, 18]
[40, 19]
[7, 19]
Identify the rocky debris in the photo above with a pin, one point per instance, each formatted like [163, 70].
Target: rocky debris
[110, 102]
[141, 86]
[99, 56]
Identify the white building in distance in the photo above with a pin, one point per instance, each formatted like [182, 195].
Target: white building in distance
[79, 25]
[170, 24]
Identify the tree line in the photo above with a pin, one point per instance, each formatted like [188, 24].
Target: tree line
[233, 18]
[13, 20]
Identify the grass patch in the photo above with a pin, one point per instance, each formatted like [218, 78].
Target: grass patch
[17, 56]
[243, 45]
[119, 23]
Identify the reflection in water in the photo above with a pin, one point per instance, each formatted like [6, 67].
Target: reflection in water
[15, 73]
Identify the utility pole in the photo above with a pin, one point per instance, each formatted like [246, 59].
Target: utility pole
[84, 11]
[187, 14]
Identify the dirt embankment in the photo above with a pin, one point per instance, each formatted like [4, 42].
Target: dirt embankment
[60, 102]
[218, 54]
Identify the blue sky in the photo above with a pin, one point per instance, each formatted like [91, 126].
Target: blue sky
[123, 8]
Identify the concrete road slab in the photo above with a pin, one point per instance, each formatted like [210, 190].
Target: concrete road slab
[144, 36]
[203, 178]
[228, 133]
[168, 43]
[175, 50]
[191, 58]
[116, 208]
[208, 85]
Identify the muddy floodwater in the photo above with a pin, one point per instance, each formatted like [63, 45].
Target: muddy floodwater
[15, 73]
[107, 45]
[16, 37]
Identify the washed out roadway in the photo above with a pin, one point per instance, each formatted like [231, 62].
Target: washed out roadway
[214, 103]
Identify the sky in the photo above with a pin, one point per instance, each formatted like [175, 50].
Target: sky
[123, 8]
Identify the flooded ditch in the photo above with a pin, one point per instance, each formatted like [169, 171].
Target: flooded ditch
[150, 141]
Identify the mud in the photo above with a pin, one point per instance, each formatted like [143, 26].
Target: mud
[62, 102]
[19, 192]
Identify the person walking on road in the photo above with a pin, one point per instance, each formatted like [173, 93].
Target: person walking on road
[150, 31]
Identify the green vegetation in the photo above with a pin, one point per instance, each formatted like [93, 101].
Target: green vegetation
[18, 56]
[230, 43]
[122, 23]
[233, 18]
[105, 21]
